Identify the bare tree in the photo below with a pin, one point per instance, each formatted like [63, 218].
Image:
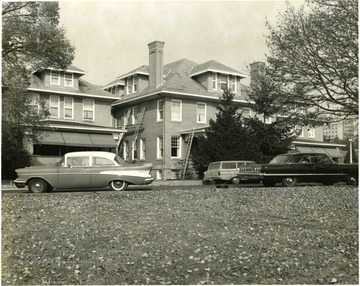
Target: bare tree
[314, 59]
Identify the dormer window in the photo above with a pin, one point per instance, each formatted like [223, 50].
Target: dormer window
[131, 84]
[214, 80]
[223, 81]
[69, 79]
[54, 77]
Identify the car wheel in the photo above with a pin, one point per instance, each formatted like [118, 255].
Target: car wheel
[289, 181]
[37, 186]
[352, 179]
[235, 180]
[118, 185]
[269, 183]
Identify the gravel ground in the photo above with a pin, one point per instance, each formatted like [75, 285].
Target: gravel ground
[182, 235]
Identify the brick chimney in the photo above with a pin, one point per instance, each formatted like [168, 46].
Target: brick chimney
[156, 51]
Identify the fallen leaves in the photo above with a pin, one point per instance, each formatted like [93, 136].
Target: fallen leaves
[303, 235]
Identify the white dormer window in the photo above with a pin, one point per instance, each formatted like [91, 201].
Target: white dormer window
[232, 83]
[223, 81]
[311, 133]
[54, 77]
[69, 79]
[132, 84]
[214, 80]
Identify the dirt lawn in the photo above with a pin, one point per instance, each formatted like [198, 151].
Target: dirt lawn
[182, 235]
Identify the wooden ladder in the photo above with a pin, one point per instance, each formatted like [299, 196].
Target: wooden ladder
[188, 151]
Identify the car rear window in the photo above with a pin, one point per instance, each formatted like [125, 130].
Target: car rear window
[281, 159]
[99, 161]
[229, 165]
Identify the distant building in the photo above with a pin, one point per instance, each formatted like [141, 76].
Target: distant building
[343, 130]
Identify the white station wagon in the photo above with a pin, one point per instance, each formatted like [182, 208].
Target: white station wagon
[79, 170]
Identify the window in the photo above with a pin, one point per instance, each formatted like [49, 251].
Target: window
[160, 148]
[131, 84]
[54, 106]
[126, 150]
[68, 108]
[201, 112]
[142, 149]
[54, 77]
[246, 112]
[135, 81]
[88, 107]
[214, 80]
[126, 116]
[268, 120]
[69, 79]
[134, 150]
[232, 83]
[175, 147]
[160, 110]
[99, 161]
[176, 110]
[78, 161]
[311, 133]
[134, 115]
[34, 102]
[223, 81]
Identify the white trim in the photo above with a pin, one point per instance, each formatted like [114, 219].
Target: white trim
[142, 149]
[176, 93]
[158, 119]
[51, 76]
[131, 74]
[219, 71]
[72, 107]
[72, 79]
[88, 109]
[158, 149]
[179, 149]
[318, 143]
[197, 112]
[180, 112]
[53, 106]
[72, 93]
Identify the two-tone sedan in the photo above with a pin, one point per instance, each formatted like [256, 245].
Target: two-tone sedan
[292, 168]
[80, 170]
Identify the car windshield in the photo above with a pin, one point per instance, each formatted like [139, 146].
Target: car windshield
[280, 159]
[61, 162]
[119, 160]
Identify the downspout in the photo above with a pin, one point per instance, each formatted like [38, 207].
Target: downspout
[163, 165]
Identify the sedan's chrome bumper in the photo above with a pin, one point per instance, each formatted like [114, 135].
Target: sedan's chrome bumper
[148, 181]
[20, 183]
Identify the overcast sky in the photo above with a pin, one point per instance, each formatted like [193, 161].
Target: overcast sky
[111, 37]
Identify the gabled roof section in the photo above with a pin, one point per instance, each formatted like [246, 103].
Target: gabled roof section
[144, 69]
[183, 66]
[114, 83]
[88, 88]
[214, 66]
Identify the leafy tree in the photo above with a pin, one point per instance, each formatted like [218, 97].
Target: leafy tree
[31, 40]
[227, 138]
[314, 58]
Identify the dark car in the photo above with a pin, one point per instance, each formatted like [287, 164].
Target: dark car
[292, 168]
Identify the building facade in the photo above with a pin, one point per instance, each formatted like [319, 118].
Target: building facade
[80, 114]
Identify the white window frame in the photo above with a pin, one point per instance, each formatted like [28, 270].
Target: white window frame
[173, 118]
[134, 150]
[214, 81]
[142, 148]
[89, 109]
[199, 113]
[233, 83]
[268, 120]
[221, 82]
[247, 108]
[71, 84]
[134, 84]
[67, 107]
[134, 115]
[178, 156]
[311, 133]
[159, 147]
[57, 106]
[160, 112]
[126, 150]
[54, 77]
[126, 120]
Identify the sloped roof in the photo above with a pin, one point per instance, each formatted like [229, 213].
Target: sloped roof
[214, 66]
[144, 69]
[114, 82]
[84, 88]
